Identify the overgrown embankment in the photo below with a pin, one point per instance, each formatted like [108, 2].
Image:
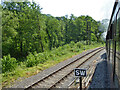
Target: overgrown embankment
[35, 62]
[32, 41]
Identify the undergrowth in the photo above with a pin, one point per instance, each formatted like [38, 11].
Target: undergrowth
[12, 69]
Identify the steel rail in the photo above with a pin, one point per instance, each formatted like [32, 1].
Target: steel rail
[101, 48]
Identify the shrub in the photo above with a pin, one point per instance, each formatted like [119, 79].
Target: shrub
[94, 42]
[31, 60]
[8, 63]
[72, 43]
[58, 53]
[35, 59]
[64, 52]
[79, 44]
[46, 55]
[76, 50]
[67, 46]
[0, 66]
[41, 57]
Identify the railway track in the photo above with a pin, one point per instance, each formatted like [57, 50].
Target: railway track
[85, 80]
[72, 82]
[55, 79]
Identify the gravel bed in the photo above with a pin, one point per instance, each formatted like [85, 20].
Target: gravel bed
[101, 77]
[85, 66]
[31, 80]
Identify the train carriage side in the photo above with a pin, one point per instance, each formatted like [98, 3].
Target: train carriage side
[117, 44]
[113, 44]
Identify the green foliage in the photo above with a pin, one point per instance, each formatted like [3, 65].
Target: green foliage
[31, 61]
[79, 44]
[0, 65]
[93, 43]
[36, 58]
[30, 38]
[8, 63]
[66, 46]
[25, 29]
[72, 43]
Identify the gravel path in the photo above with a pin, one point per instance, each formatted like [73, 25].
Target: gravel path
[101, 77]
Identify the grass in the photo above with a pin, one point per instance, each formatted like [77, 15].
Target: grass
[54, 57]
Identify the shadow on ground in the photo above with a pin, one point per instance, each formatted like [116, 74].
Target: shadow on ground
[101, 78]
[104, 56]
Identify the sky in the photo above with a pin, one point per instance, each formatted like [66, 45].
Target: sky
[97, 9]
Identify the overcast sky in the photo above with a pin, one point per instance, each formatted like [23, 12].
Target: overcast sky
[97, 9]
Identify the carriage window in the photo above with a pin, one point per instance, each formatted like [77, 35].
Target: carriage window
[118, 34]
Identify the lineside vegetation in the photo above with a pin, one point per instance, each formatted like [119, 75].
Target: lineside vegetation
[32, 41]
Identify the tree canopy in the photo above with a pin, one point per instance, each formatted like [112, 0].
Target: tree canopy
[25, 29]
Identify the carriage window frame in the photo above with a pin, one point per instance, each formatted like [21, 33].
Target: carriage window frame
[118, 31]
[117, 39]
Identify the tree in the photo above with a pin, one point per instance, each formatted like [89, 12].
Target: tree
[26, 29]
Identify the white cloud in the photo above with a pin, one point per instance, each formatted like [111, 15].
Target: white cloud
[98, 9]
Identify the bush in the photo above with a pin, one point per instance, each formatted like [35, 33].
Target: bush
[67, 46]
[41, 57]
[31, 60]
[93, 43]
[72, 43]
[58, 53]
[8, 63]
[79, 44]
[0, 66]
[64, 52]
[46, 55]
[35, 59]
